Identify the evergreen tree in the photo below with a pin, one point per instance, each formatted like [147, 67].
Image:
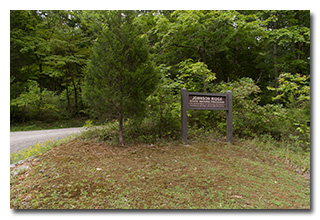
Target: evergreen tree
[119, 75]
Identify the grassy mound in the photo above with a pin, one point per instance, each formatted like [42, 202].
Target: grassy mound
[206, 174]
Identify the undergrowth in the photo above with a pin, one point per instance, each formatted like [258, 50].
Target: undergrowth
[145, 133]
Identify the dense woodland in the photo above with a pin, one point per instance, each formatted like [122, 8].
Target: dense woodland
[128, 68]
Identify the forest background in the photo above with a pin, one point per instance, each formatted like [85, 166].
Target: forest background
[263, 57]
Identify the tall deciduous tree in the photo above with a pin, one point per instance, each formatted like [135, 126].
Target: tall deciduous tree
[119, 75]
[227, 42]
[286, 44]
[69, 48]
[30, 33]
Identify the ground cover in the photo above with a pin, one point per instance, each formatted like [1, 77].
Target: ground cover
[42, 125]
[207, 174]
[37, 150]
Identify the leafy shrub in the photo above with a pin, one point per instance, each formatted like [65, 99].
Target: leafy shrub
[294, 93]
[247, 119]
[145, 131]
[104, 133]
[29, 103]
[288, 119]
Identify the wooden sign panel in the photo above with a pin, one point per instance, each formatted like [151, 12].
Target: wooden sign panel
[205, 101]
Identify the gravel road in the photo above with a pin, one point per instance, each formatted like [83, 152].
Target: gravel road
[23, 139]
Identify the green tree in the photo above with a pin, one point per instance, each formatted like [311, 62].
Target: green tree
[286, 44]
[30, 33]
[294, 94]
[232, 44]
[29, 100]
[119, 75]
[69, 53]
[51, 48]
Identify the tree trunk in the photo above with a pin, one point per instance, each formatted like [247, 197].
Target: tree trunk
[121, 115]
[275, 60]
[23, 113]
[41, 87]
[75, 97]
[79, 103]
[68, 99]
[40, 103]
[160, 135]
[276, 74]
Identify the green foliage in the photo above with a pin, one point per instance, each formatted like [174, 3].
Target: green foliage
[293, 90]
[195, 76]
[37, 150]
[31, 100]
[203, 51]
[119, 68]
[131, 81]
[27, 98]
[48, 47]
[120, 75]
[291, 34]
[289, 121]
[294, 93]
[163, 105]
[246, 110]
[108, 132]
[47, 124]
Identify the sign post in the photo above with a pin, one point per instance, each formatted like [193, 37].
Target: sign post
[184, 106]
[229, 117]
[205, 101]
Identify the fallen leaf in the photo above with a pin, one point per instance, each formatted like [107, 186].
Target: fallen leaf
[235, 196]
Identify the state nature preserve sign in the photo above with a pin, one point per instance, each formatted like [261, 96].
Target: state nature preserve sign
[205, 101]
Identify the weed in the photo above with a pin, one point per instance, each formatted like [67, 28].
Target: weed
[37, 150]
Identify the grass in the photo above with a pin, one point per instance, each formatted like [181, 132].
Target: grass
[37, 150]
[41, 125]
[285, 151]
[207, 174]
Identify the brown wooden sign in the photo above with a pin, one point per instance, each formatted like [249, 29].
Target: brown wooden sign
[205, 101]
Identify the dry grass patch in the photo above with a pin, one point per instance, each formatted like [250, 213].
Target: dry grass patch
[203, 175]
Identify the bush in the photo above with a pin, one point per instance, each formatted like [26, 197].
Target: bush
[288, 122]
[247, 121]
[288, 119]
[293, 92]
[145, 131]
[104, 133]
[33, 104]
